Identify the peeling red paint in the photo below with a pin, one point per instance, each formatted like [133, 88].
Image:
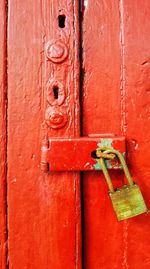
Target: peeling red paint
[115, 43]
[75, 154]
[44, 210]
[44, 86]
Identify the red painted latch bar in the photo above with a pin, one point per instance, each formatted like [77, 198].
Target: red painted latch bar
[74, 154]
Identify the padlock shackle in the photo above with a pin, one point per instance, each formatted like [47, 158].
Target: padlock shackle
[124, 165]
[106, 174]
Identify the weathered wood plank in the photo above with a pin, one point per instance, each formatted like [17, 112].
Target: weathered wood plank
[116, 75]
[136, 73]
[44, 210]
[102, 89]
[3, 138]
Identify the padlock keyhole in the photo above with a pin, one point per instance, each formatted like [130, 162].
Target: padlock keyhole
[55, 91]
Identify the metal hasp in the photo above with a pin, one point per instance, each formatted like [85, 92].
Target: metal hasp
[127, 201]
[74, 154]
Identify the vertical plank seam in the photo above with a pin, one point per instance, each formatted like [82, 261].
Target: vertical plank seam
[76, 76]
[6, 128]
[123, 116]
[6, 53]
[122, 78]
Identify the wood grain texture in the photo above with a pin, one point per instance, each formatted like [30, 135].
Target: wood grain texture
[136, 25]
[116, 99]
[3, 85]
[101, 115]
[101, 68]
[44, 210]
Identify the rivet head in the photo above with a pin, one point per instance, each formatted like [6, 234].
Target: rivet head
[55, 118]
[56, 51]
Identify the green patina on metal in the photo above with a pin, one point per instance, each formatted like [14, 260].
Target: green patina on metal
[105, 143]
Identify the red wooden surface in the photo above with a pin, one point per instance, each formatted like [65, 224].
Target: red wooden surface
[137, 122]
[44, 223]
[115, 41]
[75, 154]
[43, 210]
[3, 85]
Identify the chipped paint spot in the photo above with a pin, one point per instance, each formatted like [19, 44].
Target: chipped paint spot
[85, 3]
[108, 165]
[96, 166]
[87, 164]
[105, 143]
[14, 180]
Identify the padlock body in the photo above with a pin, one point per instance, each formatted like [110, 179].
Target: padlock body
[128, 202]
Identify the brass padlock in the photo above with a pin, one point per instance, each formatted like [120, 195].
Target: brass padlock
[127, 201]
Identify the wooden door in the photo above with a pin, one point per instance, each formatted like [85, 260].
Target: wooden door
[102, 57]
[116, 99]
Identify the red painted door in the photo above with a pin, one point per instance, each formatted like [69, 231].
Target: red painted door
[69, 76]
[116, 99]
